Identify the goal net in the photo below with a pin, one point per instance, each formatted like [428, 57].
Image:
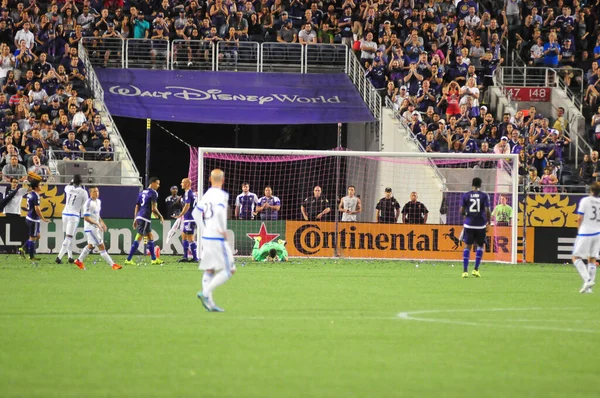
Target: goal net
[403, 205]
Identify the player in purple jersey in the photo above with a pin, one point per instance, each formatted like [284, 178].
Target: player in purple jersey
[189, 225]
[475, 206]
[33, 218]
[144, 208]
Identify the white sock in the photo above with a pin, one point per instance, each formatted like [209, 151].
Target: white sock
[106, 257]
[583, 272]
[592, 271]
[84, 253]
[207, 277]
[65, 246]
[217, 280]
[70, 248]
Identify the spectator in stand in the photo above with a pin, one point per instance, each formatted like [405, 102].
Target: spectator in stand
[368, 49]
[586, 170]
[73, 149]
[307, 35]
[549, 181]
[502, 147]
[106, 151]
[14, 170]
[551, 51]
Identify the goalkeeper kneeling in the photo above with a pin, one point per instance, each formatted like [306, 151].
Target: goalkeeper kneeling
[270, 251]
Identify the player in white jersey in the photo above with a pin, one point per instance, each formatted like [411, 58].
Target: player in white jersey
[216, 259]
[76, 196]
[94, 229]
[587, 243]
[350, 205]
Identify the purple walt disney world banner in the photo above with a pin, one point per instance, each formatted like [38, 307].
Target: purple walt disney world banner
[233, 97]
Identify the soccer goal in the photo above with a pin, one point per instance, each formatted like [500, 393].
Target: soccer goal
[393, 205]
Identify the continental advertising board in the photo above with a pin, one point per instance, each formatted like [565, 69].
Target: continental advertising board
[371, 240]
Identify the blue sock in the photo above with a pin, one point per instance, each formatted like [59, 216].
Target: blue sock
[134, 247]
[186, 246]
[151, 248]
[194, 249]
[466, 257]
[31, 249]
[478, 256]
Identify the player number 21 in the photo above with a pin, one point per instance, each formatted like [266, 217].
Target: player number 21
[474, 208]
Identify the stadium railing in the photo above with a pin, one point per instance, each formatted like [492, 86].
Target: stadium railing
[129, 171]
[204, 55]
[109, 52]
[92, 170]
[242, 56]
[147, 53]
[369, 94]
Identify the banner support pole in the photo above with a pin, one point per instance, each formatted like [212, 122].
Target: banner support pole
[147, 171]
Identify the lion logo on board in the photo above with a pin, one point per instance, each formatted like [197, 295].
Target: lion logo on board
[51, 202]
[549, 211]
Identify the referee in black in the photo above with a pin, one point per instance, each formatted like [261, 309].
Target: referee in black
[315, 207]
[388, 209]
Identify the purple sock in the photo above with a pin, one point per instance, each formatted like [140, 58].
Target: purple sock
[134, 247]
[186, 246]
[31, 249]
[478, 257]
[151, 248]
[466, 257]
[194, 249]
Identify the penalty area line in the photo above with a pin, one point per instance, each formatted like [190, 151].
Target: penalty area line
[416, 316]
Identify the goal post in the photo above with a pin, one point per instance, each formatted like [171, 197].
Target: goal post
[438, 179]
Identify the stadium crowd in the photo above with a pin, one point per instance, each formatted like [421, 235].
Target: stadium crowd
[432, 59]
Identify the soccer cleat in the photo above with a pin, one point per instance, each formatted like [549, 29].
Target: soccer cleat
[588, 290]
[476, 273]
[22, 252]
[157, 262]
[217, 309]
[79, 264]
[586, 286]
[34, 259]
[58, 260]
[205, 301]
[183, 260]
[71, 261]
[116, 266]
[465, 275]
[129, 262]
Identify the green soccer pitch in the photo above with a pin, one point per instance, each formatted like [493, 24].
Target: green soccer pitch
[306, 328]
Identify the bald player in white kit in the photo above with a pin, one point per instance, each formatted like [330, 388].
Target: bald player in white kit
[210, 215]
[76, 196]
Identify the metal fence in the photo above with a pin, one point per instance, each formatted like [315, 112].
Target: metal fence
[217, 56]
[129, 172]
[370, 96]
[105, 52]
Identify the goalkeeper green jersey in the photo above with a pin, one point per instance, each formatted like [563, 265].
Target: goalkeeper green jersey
[262, 253]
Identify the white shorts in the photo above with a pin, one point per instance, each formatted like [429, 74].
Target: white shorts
[586, 246]
[94, 237]
[70, 224]
[216, 254]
